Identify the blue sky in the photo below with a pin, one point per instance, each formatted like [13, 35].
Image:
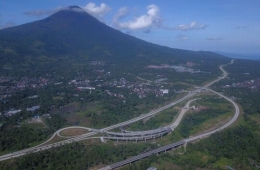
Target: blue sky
[213, 25]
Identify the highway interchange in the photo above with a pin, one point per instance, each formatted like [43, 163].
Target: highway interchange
[179, 143]
[156, 132]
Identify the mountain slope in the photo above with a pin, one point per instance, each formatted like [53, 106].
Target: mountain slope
[73, 36]
[73, 30]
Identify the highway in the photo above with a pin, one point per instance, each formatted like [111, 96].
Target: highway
[140, 133]
[146, 134]
[183, 111]
[143, 155]
[45, 146]
[236, 114]
[179, 143]
[149, 134]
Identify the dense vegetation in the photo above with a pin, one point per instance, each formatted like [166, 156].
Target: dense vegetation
[75, 156]
[14, 137]
[215, 107]
[238, 148]
[247, 97]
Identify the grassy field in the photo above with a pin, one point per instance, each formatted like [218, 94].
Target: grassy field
[77, 114]
[73, 132]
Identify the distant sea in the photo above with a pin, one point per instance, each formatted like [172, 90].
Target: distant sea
[241, 56]
[249, 57]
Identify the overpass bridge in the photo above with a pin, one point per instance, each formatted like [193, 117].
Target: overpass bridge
[149, 134]
[144, 155]
[139, 135]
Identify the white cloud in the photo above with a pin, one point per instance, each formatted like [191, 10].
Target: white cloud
[214, 38]
[97, 11]
[188, 27]
[121, 13]
[152, 18]
[91, 8]
[144, 22]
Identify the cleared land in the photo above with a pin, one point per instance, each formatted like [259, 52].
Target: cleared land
[73, 132]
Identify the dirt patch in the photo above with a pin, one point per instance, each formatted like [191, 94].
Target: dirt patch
[55, 139]
[73, 132]
[35, 120]
[70, 108]
[201, 108]
[77, 119]
[190, 64]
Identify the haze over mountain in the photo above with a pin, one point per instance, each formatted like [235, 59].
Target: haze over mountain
[73, 36]
[240, 56]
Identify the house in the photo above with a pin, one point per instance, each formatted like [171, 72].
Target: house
[164, 91]
[86, 88]
[12, 112]
[33, 108]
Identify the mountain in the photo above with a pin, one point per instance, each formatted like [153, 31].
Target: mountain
[71, 37]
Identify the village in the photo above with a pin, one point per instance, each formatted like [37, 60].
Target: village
[9, 85]
[252, 84]
[101, 80]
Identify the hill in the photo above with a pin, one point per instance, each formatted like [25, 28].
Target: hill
[71, 37]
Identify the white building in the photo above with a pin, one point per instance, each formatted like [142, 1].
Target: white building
[165, 91]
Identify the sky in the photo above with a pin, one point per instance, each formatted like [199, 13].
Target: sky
[231, 26]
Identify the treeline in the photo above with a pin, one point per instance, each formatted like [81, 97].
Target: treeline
[242, 70]
[247, 98]
[237, 147]
[14, 138]
[19, 138]
[75, 156]
[191, 121]
[117, 110]
[240, 145]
